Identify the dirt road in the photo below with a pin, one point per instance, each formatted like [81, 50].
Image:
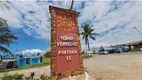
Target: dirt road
[124, 66]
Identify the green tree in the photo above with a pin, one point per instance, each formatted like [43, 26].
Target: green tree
[47, 54]
[87, 33]
[6, 38]
[102, 48]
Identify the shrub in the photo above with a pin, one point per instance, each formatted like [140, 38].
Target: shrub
[32, 75]
[38, 79]
[27, 78]
[21, 77]
[44, 77]
[12, 77]
[17, 76]
[5, 77]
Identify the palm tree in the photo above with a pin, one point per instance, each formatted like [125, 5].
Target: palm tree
[6, 38]
[88, 33]
[3, 5]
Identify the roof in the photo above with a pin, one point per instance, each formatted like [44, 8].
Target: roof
[7, 60]
[131, 43]
[64, 10]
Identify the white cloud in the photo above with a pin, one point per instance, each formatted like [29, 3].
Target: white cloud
[12, 17]
[33, 51]
[31, 16]
[119, 22]
[106, 19]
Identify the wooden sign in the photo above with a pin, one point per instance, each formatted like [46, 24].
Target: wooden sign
[66, 51]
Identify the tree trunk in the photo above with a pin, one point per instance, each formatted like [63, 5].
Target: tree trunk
[88, 47]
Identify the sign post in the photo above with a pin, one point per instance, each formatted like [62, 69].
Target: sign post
[66, 51]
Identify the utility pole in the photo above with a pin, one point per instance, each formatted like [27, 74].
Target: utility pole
[140, 35]
[110, 44]
[115, 39]
[102, 43]
[72, 4]
[138, 31]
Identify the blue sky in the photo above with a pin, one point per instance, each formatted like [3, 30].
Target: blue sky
[30, 21]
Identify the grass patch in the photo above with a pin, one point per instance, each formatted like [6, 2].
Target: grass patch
[86, 56]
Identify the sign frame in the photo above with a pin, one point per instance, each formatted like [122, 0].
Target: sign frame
[75, 72]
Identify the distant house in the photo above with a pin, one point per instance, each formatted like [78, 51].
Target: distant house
[133, 46]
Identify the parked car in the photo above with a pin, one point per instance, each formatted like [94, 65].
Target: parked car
[9, 63]
[113, 50]
[123, 48]
[105, 52]
[117, 50]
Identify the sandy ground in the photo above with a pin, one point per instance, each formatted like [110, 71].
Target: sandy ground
[123, 66]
